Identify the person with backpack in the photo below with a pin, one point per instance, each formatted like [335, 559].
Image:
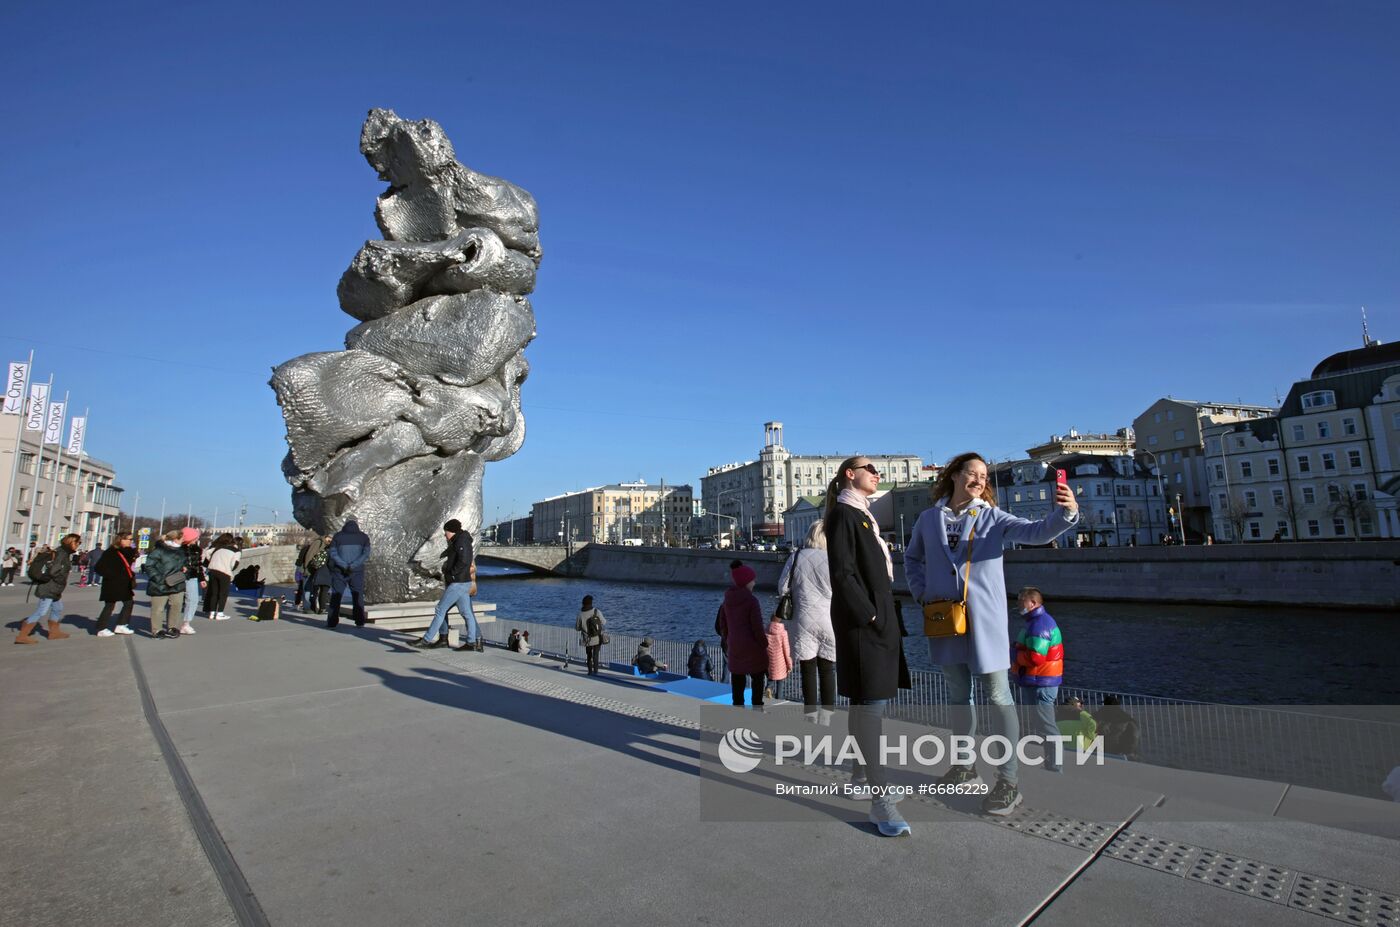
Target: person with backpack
[118, 585]
[591, 626]
[222, 563]
[349, 552]
[165, 584]
[49, 573]
[318, 567]
[699, 665]
[458, 587]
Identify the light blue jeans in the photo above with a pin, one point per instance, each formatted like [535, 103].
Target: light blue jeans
[52, 608]
[454, 594]
[1043, 698]
[998, 686]
[191, 599]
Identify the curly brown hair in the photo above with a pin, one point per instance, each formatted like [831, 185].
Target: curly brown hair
[943, 486]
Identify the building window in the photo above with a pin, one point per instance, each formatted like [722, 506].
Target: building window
[1042, 495]
[1304, 463]
[1322, 397]
[1176, 456]
[1178, 477]
[1224, 501]
[1220, 473]
[1273, 466]
[1314, 528]
[1367, 527]
[1171, 415]
[1298, 433]
[1348, 426]
[39, 497]
[1246, 469]
[1309, 495]
[1339, 527]
[1329, 460]
[1251, 499]
[1179, 434]
[1354, 459]
[1152, 440]
[1254, 531]
[1278, 498]
[23, 496]
[1282, 528]
[1016, 496]
[1324, 430]
[1359, 491]
[1334, 493]
[1156, 418]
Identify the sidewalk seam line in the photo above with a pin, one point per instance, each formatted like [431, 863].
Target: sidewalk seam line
[1079, 870]
[246, 909]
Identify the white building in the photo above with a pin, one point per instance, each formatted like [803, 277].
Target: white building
[1326, 467]
[83, 499]
[659, 514]
[753, 495]
[1120, 501]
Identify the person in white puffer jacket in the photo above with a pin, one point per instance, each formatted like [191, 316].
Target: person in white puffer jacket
[807, 577]
[222, 563]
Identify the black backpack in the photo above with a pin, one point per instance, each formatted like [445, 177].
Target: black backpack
[38, 571]
[594, 626]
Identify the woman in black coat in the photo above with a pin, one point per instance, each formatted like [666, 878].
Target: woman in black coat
[118, 585]
[870, 666]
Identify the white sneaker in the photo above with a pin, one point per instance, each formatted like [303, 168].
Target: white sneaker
[220, 616]
[186, 629]
[123, 629]
[106, 633]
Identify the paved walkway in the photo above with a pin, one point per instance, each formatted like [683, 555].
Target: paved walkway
[318, 777]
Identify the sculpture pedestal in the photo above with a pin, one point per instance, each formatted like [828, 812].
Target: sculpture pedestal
[416, 616]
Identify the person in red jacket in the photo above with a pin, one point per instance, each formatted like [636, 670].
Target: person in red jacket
[745, 643]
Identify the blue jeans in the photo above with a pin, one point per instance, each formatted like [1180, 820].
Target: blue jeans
[191, 599]
[1044, 699]
[454, 594]
[867, 723]
[52, 608]
[959, 679]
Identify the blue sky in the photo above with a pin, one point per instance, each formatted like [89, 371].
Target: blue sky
[896, 228]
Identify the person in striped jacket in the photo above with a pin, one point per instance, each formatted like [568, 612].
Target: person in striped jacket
[1038, 664]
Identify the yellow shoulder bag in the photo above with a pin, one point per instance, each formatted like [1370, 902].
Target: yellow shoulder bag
[947, 618]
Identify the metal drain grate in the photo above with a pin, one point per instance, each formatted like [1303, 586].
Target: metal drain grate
[1153, 852]
[1238, 874]
[1340, 901]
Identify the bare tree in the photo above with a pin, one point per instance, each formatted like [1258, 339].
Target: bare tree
[1290, 510]
[1351, 506]
[1237, 517]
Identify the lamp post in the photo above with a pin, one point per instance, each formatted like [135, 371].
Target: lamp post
[719, 504]
[1161, 488]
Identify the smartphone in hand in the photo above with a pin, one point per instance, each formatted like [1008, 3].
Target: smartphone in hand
[1061, 478]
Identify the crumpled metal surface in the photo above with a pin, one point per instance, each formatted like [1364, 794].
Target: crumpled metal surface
[395, 431]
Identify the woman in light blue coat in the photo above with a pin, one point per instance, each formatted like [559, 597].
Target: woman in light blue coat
[936, 562]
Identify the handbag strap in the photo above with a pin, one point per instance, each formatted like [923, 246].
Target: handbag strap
[967, 575]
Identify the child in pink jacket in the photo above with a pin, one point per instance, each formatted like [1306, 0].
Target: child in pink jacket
[779, 655]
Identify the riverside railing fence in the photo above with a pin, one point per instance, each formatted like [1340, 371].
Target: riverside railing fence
[1339, 749]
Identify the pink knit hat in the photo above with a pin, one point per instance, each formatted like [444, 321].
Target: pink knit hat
[189, 535]
[743, 575]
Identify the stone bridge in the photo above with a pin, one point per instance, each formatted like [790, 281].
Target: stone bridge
[546, 558]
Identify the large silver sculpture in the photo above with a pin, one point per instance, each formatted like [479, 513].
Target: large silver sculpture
[395, 431]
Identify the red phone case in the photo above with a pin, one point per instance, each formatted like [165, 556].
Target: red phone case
[1062, 477]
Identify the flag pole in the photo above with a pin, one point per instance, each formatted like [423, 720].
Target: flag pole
[38, 468]
[14, 463]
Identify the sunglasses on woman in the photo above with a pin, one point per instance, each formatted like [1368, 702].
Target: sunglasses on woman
[869, 467]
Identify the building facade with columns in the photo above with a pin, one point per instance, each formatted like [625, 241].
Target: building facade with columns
[70, 494]
[1325, 467]
[657, 514]
[754, 494]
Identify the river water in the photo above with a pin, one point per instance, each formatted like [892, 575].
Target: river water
[1207, 653]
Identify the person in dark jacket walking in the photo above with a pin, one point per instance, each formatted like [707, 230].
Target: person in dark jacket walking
[349, 551]
[459, 585]
[50, 592]
[745, 640]
[592, 628]
[699, 665]
[165, 583]
[118, 585]
[870, 665]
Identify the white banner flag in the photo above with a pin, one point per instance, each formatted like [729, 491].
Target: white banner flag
[38, 405]
[76, 432]
[14, 388]
[53, 424]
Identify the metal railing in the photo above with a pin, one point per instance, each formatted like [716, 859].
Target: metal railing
[1321, 748]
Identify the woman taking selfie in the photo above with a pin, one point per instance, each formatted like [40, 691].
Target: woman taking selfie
[962, 535]
[870, 665]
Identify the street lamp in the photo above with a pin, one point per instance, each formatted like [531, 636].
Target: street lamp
[1161, 488]
[719, 503]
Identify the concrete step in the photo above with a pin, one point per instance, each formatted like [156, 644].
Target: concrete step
[420, 622]
[401, 609]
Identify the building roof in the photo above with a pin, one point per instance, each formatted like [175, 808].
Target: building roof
[1369, 357]
[1355, 389]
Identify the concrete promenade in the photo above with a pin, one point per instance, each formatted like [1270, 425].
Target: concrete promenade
[315, 777]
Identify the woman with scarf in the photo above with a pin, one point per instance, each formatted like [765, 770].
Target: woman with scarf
[870, 665]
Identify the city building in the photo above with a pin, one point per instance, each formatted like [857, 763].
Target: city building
[1325, 467]
[652, 514]
[84, 498]
[1170, 438]
[1110, 445]
[753, 495]
[1120, 500]
[262, 534]
[798, 519]
[511, 531]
